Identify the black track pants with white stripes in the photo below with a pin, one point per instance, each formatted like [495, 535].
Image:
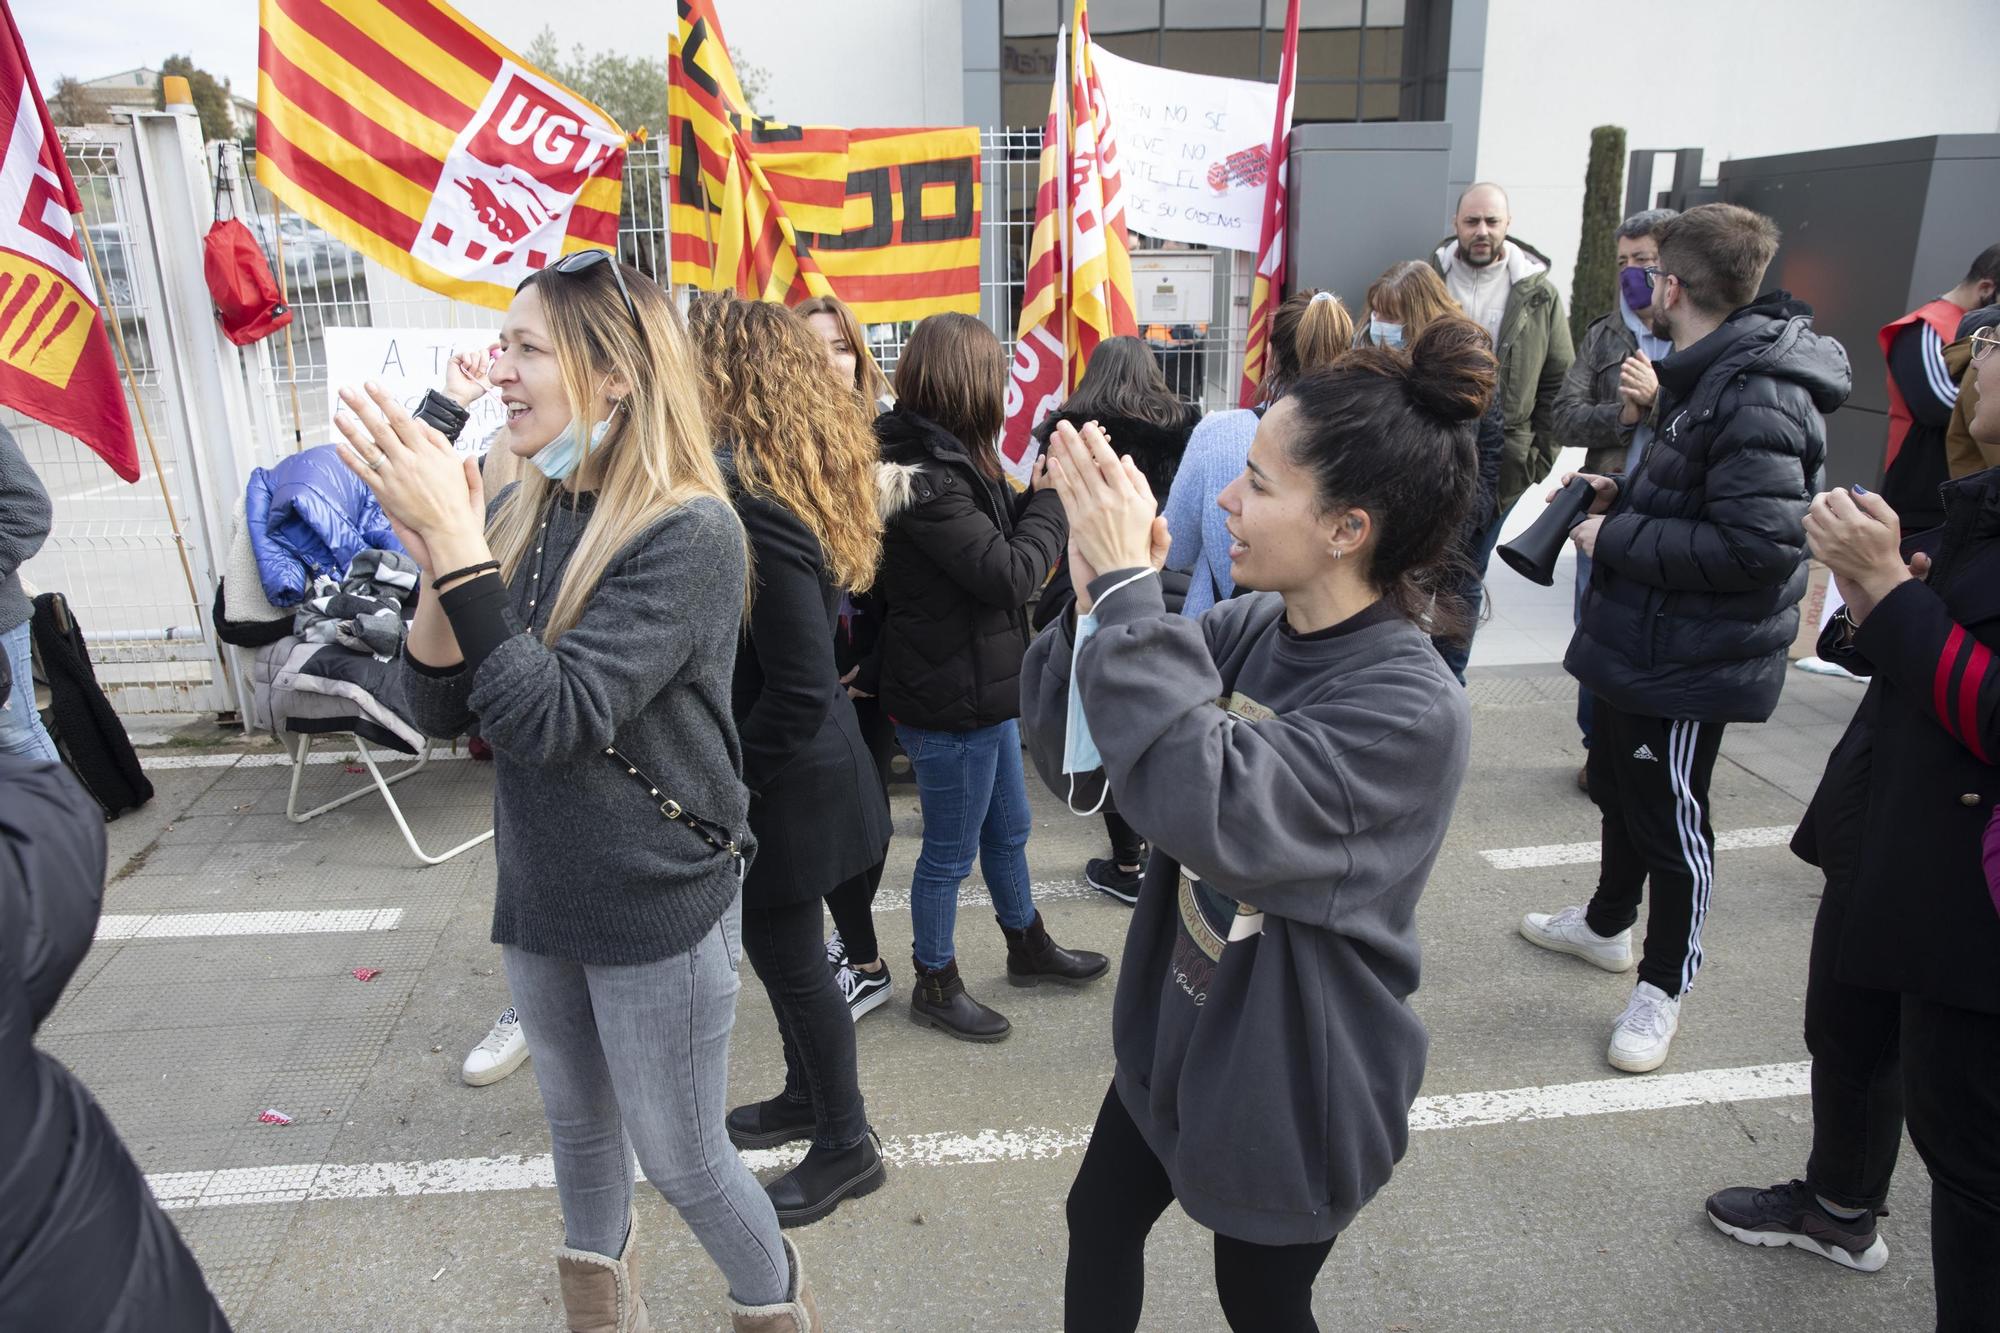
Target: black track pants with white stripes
[1649, 778]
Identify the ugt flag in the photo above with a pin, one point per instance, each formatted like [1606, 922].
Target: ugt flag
[55, 358]
[414, 137]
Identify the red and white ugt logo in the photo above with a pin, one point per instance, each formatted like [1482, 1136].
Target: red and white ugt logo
[502, 206]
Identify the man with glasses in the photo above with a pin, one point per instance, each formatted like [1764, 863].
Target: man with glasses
[1965, 453]
[1699, 558]
[1502, 283]
[1923, 390]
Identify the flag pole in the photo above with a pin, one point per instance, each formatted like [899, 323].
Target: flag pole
[139, 404]
[291, 365]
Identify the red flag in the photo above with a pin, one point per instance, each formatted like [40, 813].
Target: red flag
[1035, 380]
[55, 357]
[1268, 289]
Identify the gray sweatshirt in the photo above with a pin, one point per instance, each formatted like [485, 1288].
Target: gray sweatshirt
[1296, 790]
[25, 517]
[590, 871]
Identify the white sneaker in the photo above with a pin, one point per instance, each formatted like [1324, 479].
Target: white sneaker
[1567, 932]
[1645, 1030]
[505, 1047]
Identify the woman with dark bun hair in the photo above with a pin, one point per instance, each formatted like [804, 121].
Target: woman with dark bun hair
[1293, 756]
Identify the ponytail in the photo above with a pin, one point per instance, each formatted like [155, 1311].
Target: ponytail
[1311, 331]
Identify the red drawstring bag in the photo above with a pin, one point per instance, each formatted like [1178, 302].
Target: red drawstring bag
[240, 281]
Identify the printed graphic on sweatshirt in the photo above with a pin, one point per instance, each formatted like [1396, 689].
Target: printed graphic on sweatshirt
[1210, 922]
[1242, 705]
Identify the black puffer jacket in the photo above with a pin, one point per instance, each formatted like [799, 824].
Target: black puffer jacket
[961, 556]
[83, 1246]
[1700, 564]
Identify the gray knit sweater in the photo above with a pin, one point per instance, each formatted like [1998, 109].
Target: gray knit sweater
[25, 516]
[589, 869]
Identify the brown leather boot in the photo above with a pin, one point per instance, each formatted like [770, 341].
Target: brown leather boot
[1032, 958]
[600, 1294]
[795, 1314]
[939, 1000]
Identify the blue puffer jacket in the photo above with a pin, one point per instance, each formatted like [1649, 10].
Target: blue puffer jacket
[310, 516]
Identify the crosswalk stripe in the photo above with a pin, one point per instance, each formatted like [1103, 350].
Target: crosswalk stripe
[189, 925]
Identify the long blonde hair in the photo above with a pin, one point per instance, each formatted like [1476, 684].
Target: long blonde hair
[869, 381]
[655, 457]
[774, 396]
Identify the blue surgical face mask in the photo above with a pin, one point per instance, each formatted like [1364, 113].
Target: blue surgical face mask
[559, 457]
[1384, 333]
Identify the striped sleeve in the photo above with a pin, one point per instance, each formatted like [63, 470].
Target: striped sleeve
[1950, 669]
[1940, 378]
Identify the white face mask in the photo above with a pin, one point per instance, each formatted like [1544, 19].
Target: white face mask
[1384, 333]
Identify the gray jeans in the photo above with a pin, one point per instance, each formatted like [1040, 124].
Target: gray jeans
[639, 1055]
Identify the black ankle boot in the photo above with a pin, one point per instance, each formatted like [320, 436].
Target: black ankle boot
[1032, 957]
[815, 1187]
[770, 1123]
[939, 1000]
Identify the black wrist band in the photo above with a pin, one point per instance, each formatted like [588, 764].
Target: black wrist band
[437, 584]
[443, 414]
[480, 620]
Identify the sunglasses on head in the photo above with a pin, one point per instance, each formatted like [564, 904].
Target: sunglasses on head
[585, 260]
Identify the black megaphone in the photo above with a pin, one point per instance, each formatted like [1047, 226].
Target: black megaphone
[1532, 555]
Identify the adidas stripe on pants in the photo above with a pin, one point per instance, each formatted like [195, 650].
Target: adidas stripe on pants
[1649, 778]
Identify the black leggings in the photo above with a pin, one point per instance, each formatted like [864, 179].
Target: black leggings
[786, 949]
[852, 903]
[1128, 847]
[1120, 1191]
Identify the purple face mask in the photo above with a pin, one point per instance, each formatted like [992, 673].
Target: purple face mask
[1632, 283]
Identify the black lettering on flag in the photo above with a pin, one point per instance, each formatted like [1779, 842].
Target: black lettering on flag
[955, 172]
[881, 227]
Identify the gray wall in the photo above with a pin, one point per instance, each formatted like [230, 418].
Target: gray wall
[1363, 197]
[1871, 232]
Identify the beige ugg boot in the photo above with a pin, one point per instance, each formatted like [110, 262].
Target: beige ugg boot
[600, 1294]
[795, 1314]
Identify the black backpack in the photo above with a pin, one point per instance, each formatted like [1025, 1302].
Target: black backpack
[85, 726]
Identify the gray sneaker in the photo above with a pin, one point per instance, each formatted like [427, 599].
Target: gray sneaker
[1789, 1214]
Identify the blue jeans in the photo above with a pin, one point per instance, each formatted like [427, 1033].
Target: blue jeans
[1583, 701]
[640, 1054]
[21, 730]
[975, 800]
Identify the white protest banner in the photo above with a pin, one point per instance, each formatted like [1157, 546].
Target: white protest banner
[408, 362]
[1193, 150]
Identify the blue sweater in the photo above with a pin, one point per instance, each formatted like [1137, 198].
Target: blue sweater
[1215, 456]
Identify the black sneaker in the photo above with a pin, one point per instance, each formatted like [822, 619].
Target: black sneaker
[1107, 876]
[862, 990]
[1788, 1214]
[836, 951]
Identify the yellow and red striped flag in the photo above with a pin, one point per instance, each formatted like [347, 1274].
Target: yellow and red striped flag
[1037, 378]
[55, 358]
[1100, 251]
[885, 219]
[1268, 289]
[402, 129]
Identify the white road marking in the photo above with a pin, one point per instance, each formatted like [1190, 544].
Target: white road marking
[1585, 853]
[190, 925]
[471, 1175]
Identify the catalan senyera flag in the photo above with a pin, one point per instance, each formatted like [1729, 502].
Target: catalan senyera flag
[885, 219]
[402, 129]
[1037, 377]
[55, 357]
[1100, 251]
[1268, 289]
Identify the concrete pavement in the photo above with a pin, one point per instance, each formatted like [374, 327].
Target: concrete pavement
[400, 1199]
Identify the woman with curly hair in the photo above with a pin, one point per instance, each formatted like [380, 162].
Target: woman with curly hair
[800, 460]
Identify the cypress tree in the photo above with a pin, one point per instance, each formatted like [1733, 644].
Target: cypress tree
[1594, 288]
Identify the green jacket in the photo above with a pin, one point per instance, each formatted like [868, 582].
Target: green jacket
[1587, 409]
[1535, 353]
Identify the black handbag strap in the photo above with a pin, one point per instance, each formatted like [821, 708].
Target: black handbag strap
[715, 835]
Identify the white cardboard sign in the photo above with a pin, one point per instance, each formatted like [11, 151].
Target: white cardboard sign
[408, 362]
[1193, 150]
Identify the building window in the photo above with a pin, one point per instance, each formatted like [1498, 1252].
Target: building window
[1358, 59]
